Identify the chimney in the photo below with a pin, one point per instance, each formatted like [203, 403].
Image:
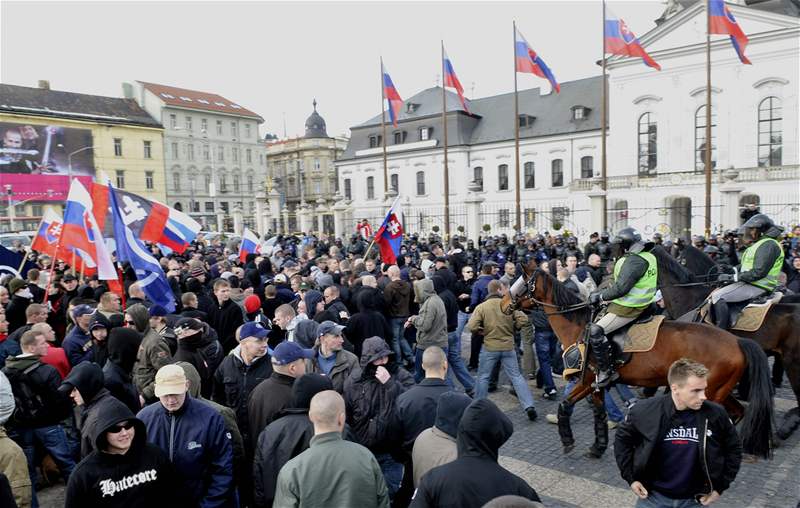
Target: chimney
[127, 90]
[44, 84]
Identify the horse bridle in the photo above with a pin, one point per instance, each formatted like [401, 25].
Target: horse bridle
[530, 287]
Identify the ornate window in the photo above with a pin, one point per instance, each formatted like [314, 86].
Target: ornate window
[648, 144]
[587, 166]
[700, 138]
[530, 175]
[502, 177]
[370, 187]
[770, 132]
[477, 176]
[420, 183]
[557, 173]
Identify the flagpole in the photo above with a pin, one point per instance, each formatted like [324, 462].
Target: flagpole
[383, 127]
[603, 121]
[22, 264]
[707, 154]
[446, 169]
[517, 223]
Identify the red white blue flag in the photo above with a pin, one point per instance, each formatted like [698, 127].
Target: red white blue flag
[621, 41]
[250, 245]
[721, 21]
[392, 96]
[390, 236]
[451, 80]
[82, 234]
[529, 62]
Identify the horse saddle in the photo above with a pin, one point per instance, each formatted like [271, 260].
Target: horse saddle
[746, 316]
[639, 336]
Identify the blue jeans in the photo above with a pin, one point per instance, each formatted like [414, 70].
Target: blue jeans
[545, 346]
[508, 360]
[463, 318]
[402, 351]
[419, 372]
[612, 410]
[456, 363]
[54, 441]
[657, 500]
[392, 472]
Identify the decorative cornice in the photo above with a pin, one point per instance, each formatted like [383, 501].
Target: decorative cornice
[772, 79]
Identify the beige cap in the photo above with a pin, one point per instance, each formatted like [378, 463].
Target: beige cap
[170, 380]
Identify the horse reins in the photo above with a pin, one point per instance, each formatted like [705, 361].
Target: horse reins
[560, 310]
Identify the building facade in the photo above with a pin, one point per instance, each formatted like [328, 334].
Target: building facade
[302, 172]
[58, 135]
[215, 162]
[655, 142]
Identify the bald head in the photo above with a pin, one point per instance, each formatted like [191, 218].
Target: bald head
[434, 362]
[393, 272]
[326, 412]
[369, 280]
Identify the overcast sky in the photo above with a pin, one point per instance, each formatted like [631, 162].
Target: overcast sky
[274, 58]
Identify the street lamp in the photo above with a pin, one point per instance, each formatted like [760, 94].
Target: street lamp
[12, 213]
[69, 159]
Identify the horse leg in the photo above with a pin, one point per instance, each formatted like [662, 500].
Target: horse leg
[565, 413]
[791, 420]
[734, 408]
[600, 425]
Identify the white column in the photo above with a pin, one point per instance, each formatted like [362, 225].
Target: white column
[596, 198]
[238, 217]
[339, 209]
[260, 205]
[302, 218]
[473, 202]
[729, 199]
[220, 217]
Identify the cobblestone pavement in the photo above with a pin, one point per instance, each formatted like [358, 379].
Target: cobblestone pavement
[534, 453]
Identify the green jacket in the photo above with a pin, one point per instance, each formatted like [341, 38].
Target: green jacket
[431, 320]
[152, 355]
[332, 473]
[15, 466]
[497, 328]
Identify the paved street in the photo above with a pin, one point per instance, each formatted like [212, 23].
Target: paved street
[565, 481]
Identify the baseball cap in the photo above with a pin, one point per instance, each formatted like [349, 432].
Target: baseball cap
[253, 329]
[170, 380]
[184, 324]
[82, 310]
[287, 352]
[68, 277]
[329, 328]
[157, 311]
[289, 264]
[305, 286]
[280, 278]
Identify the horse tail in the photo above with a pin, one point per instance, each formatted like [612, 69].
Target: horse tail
[757, 426]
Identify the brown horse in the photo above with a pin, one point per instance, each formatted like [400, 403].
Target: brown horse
[727, 357]
[685, 287]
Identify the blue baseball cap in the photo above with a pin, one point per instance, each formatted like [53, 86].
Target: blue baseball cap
[288, 352]
[252, 329]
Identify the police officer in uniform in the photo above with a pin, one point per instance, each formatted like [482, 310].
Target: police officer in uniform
[572, 250]
[758, 272]
[633, 290]
[604, 247]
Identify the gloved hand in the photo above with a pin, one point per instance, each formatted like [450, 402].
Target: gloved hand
[595, 298]
[725, 277]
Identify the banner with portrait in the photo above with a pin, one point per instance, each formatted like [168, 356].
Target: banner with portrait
[35, 161]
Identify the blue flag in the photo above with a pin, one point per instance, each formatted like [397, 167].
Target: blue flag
[148, 271]
[10, 262]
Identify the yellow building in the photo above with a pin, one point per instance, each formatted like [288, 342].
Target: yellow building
[49, 136]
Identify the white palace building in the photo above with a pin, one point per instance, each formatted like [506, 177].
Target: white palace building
[656, 139]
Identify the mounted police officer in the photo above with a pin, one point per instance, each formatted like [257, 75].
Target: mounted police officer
[758, 272]
[633, 290]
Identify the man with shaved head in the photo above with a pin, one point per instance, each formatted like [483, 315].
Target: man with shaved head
[305, 480]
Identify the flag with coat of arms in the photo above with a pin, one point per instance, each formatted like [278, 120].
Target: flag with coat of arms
[390, 236]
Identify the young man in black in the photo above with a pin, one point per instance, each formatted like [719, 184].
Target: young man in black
[679, 449]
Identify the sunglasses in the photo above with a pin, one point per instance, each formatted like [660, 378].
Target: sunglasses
[120, 427]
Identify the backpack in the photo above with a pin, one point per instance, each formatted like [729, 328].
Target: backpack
[30, 405]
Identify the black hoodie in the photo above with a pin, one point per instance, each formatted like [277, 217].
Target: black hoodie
[142, 477]
[482, 431]
[88, 379]
[123, 344]
[286, 437]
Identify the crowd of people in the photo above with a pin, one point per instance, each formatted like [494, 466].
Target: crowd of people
[309, 374]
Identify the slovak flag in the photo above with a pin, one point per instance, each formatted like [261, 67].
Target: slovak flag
[451, 80]
[390, 236]
[250, 245]
[391, 95]
[721, 21]
[621, 41]
[529, 62]
[50, 228]
[82, 234]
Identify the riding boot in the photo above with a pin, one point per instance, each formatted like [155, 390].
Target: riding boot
[602, 353]
[722, 314]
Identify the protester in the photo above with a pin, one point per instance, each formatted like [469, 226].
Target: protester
[78, 345]
[430, 322]
[13, 464]
[305, 480]
[330, 359]
[195, 439]
[153, 352]
[436, 445]
[481, 432]
[198, 345]
[123, 344]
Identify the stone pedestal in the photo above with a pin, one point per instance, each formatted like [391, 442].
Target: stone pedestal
[730, 192]
[597, 198]
[220, 221]
[319, 222]
[339, 211]
[238, 217]
[473, 202]
[274, 209]
[261, 204]
[302, 218]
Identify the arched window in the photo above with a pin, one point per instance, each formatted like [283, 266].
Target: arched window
[178, 206]
[770, 132]
[530, 175]
[502, 177]
[648, 142]
[700, 138]
[420, 183]
[249, 183]
[236, 182]
[394, 182]
[370, 187]
[176, 181]
[477, 177]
